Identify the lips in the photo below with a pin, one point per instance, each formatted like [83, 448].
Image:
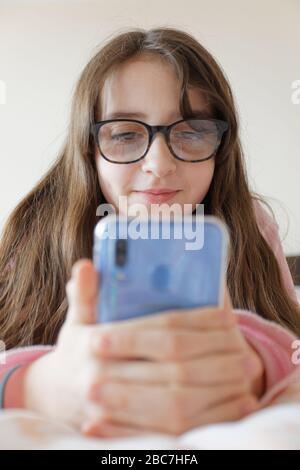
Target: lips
[157, 195]
[158, 191]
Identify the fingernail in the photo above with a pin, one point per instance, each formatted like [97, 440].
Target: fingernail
[100, 344]
[104, 343]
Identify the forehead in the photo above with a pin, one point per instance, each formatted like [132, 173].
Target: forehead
[146, 85]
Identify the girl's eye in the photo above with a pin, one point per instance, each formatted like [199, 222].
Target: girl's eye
[126, 136]
[190, 135]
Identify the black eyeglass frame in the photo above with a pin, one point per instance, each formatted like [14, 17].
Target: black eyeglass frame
[222, 126]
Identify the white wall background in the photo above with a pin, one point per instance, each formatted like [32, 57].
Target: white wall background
[45, 44]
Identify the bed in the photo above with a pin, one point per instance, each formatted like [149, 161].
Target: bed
[276, 427]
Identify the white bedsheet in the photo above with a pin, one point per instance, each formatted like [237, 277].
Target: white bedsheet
[276, 427]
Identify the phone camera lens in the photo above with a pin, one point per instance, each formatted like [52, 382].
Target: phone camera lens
[121, 252]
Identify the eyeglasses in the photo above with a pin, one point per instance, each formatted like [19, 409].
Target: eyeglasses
[128, 140]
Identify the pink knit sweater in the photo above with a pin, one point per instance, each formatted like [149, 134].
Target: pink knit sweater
[272, 342]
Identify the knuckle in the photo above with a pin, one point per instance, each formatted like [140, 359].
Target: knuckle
[173, 346]
[234, 340]
[97, 338]
[170, 320]
[123, 401]
[125, 341]
[181, 372]
[93, 340]
[219, 369]
[234, 364]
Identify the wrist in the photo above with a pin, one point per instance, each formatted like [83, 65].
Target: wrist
[33, 382]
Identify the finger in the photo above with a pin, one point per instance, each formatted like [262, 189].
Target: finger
[231, 410]
[209, 370]
[82, 291]
[166, 412]
[214, 370]
[102, 428]
[167, 409]
[195, 319]
[163, 345]
[200, 318]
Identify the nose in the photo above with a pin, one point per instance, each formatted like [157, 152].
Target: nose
[159, 159]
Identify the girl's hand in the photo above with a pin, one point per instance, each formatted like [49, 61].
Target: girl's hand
[167, 372]
[173, 371]
[57, 384]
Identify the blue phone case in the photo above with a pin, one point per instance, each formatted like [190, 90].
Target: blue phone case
[157, 274]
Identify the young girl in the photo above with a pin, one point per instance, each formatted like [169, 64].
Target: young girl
[174, 370]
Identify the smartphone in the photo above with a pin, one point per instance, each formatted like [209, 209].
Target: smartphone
[158, 267]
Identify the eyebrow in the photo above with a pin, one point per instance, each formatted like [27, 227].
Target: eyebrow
[123, 114]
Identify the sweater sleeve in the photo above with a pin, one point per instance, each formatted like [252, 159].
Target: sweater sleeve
[270, 231]
[273, 343]
[13, 364]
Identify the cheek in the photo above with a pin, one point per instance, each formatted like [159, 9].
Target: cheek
[199, 177]
[114, 179]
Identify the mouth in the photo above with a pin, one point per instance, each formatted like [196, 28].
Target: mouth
[158, 195]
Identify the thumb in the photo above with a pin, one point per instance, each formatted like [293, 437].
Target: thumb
[82, 290]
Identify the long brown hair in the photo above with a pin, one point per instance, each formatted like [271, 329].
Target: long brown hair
[53, 225]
